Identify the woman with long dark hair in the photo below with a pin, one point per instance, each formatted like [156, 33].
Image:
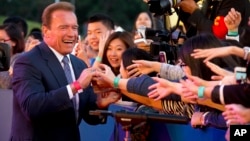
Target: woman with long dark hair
[12, 36]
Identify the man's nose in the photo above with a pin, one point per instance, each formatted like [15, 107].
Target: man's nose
[92, 35]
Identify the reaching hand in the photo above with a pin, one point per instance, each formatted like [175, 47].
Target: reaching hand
[31, 44]
[189, 89]
[86, 77]
[106, 98]
[140, 67]
[211, 53]
[232, 20]
[218, 70]
[162, 88]
[103, 40]
[196, 119]
[104, 75]
[236, 114]
[81, 52]
[196, 80]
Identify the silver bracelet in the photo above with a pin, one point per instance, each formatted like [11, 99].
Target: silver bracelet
[246, 52]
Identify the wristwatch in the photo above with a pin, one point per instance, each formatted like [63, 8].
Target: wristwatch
[246, 52]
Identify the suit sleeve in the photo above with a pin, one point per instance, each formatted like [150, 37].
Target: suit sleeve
[204, 24]
[239, 94]
[33, 92]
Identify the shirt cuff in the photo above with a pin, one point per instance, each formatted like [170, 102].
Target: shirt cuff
[237, 38]
[69, 92]
[221, 95]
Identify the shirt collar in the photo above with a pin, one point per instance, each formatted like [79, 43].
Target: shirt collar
[58, 55]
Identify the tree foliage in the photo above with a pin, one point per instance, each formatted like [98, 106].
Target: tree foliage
[122, 11]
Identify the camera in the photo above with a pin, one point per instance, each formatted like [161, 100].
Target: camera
[4, 57]
[160, 7]
[161, 43]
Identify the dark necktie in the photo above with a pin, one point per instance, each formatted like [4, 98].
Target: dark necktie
[67, 72]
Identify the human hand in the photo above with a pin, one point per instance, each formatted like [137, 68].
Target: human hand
[86, 77]
[232, 20]
[218, 70]
[10, 71]
[31, 44]
[162, 88]
[229, 80]
[81, 52]
[106, 98]
[211, 53]
[140, 67]
[188, 100]
[236, 114]
[197, 80]
[104, 76]
[197, 119]
[216, 77]
[103, 39]
[189, 89]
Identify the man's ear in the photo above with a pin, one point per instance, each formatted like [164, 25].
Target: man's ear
[46, 32]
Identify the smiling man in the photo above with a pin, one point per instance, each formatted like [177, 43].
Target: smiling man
[98, 25]
[51, 87]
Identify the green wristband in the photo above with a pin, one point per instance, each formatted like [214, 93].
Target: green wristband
[116, 82]
[201, 90]
[232, 33]
[98, 59]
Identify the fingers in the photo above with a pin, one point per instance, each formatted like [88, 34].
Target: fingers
[155, 95]
[154, 86]
[216, 77]
[218, 70]
[134, 72]
[201, 53]
[132, 66]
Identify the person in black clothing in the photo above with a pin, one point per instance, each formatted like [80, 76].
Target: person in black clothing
[204, 20]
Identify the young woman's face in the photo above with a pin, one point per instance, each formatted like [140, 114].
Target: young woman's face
[4, 38]
[143, 19]
[114, 52]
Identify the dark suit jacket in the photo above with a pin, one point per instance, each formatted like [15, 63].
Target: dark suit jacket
[233, 94]
[42, 109]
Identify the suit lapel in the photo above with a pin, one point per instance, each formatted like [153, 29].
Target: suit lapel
[76, 67]
[53, 64]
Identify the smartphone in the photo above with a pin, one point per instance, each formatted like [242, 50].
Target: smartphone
[74, 49]
[163, 56]
[240, 74]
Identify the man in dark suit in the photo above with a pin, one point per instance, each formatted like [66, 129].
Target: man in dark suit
[46, 105]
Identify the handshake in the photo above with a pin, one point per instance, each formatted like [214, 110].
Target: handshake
[101, 80]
